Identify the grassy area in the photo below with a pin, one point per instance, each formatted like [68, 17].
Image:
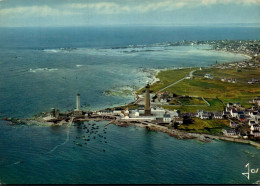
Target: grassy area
[191, 101]
[167, 77]
[217, 93]
[206, 126]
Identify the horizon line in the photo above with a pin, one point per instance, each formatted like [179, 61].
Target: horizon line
[144, 25]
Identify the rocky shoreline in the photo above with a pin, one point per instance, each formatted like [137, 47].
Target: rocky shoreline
[179, 134]
[186, 135]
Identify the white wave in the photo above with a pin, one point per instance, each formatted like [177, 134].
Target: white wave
[42, 69]
[79, 65]
[59, 50]
[52, 50]
[130, 50]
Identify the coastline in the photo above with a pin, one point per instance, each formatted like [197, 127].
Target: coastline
[178, 134]
[243, 54]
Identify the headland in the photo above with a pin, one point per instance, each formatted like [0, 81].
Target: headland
[217, 102]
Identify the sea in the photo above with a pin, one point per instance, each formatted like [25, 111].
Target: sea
[41, 68]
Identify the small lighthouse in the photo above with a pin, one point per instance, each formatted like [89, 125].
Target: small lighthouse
[147, 108]
[78, 102]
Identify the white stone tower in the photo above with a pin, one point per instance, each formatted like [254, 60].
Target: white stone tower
[78, 102]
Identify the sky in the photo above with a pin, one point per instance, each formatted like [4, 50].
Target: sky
[59, 13]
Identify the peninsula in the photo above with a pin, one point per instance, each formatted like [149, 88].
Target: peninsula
[217, 102]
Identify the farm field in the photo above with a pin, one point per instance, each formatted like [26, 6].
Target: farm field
[216, 92]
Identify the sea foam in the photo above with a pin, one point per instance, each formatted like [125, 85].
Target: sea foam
[42, 69]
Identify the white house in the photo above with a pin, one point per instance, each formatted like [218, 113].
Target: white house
[255, 133]
[167, 118]
[106, 111]
[229, 132]
[230, 105]
[203, 115]
[208, 76]
[234, 113]
[250, 123]
[218, 115]
[255, 127]
[158, 112]
[174, 113]
[134, 113]
[234, 80]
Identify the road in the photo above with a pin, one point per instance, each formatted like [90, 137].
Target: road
[191, 73]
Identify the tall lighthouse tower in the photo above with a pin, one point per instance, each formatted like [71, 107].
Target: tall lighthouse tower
[147, 108]
[78, 102]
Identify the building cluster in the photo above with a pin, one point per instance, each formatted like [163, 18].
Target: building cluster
[208, 76]
[157, 115]
[56, 116]
[209, 115]
[255, 101]
[162, 97]
[229, 80]
[239, 117]
[249, 47]
[252, 63]
[146, 112]
[253, 81]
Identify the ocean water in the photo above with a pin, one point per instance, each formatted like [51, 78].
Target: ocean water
[42, 68]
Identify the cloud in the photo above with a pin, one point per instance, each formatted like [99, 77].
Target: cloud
[110, 7]
[74, 7]
[35, 11]
[245, 2]
[103, 7]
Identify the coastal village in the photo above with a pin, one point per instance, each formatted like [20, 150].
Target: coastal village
[148, 110]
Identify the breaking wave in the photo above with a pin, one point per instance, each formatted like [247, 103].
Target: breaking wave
[119, 50]
[42, 69]
[59, 50]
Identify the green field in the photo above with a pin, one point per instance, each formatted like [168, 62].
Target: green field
[191, 101]
[205, 126]
[215, 105]
[216, 92]
[167, 77]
